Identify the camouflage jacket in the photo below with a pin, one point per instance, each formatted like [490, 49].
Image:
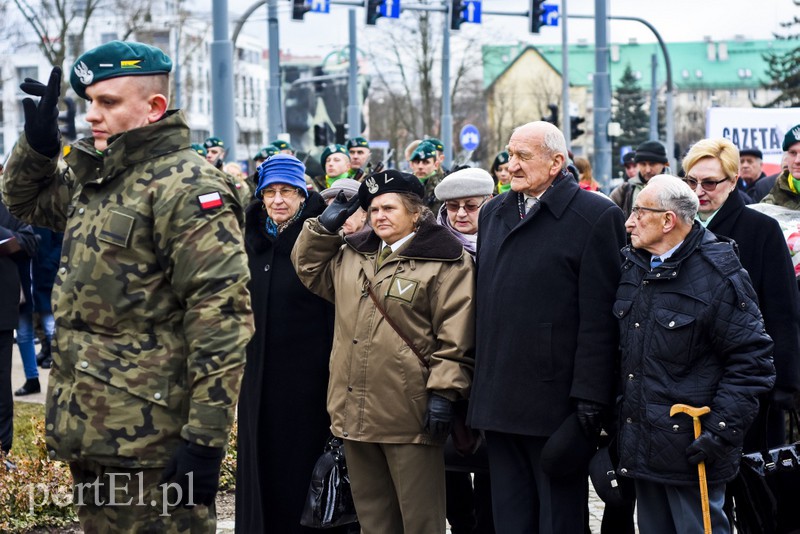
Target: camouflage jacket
[151, 301]
[781, 194]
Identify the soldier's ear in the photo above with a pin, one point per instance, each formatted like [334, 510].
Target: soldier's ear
[158, 106]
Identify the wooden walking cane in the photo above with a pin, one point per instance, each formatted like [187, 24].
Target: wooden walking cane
[695, 414]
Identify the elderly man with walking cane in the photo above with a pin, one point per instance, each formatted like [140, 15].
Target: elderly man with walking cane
[691, 333]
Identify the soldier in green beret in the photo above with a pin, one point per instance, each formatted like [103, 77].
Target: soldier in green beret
[151, 301]
[786, 190]
[336, 161]
[200, 149]
[424, 164]
[215, 151]
[283, 147]
[359, 151]
[439, 154]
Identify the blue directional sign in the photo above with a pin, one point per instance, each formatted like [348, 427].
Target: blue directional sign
[472, 11]
[470, 137]
[319, 6]
[390, 9]
[550, 15]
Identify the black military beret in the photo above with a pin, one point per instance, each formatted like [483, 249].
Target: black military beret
[390, 181]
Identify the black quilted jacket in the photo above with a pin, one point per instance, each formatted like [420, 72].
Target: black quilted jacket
[690, 332]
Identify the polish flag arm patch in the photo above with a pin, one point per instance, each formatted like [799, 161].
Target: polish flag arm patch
[209, 201]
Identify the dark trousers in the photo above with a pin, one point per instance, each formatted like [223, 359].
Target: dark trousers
[469, 503]
[524, 499]
[6, 399]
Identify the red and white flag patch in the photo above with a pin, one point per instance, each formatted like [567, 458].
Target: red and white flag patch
[210, 200]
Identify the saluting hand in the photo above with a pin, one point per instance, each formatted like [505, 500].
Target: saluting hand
[41, 120]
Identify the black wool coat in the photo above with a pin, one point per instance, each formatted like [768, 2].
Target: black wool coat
[763, 253]
[545, 290]
[10, 226]
[283, 421]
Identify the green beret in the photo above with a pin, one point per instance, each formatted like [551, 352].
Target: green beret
[280, 144]
[211, 142]
[200, 149]
[791, 137]
[357, 142]
[333, 149]
[425, 150]
[115, 59]
[436, 143]
[266, 152]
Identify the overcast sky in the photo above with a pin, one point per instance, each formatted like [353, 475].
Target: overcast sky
[676, 20]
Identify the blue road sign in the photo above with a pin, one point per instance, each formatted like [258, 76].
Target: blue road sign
[470, 137]
[550, 15]
[319, 6]
[472, 11]
[390, 9]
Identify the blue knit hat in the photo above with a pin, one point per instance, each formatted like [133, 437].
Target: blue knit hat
[281, 169]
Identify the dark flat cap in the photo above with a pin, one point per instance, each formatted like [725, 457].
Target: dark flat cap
[751, 152]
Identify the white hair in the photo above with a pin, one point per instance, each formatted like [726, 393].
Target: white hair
[672, 193]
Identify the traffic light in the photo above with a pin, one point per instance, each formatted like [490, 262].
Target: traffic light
[574, 127]
[457, 8]
[299, 8]
[68, 118]
[553, 117]
[535, 13]
[373, 11]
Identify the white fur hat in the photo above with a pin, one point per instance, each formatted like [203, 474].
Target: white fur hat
[471, 182]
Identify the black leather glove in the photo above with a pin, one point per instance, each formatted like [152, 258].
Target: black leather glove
[337, 212]
[41, 120]
[439, 417]
[204, 464]
[707, 448]
[590, 416]
[782, 399]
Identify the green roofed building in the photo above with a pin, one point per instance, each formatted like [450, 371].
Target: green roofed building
[521, 80]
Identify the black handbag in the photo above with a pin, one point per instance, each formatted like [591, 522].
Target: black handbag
[766, 492]
[329, 502]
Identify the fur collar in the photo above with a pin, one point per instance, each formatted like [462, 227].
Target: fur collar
[431, 242]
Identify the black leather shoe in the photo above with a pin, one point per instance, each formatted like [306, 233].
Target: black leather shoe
[30, 387]
[47, 363]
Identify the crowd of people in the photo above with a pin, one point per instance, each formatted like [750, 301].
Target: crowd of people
[385, 307]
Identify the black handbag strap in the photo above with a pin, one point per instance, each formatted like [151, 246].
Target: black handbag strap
[396, 328]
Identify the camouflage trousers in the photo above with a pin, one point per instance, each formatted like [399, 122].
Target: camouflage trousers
[118, 499]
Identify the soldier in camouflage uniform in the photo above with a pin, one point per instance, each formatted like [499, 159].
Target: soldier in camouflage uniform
[151, 304]
[425, 166]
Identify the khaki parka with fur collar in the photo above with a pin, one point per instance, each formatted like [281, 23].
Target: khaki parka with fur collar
[378, 389]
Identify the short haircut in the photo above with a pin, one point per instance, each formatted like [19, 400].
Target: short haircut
[674, 195]
[720, 149]
[157, 84]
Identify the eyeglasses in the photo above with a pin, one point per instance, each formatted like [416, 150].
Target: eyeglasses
[286, 192]
[707, 185]
[469, 206]
[637, 211]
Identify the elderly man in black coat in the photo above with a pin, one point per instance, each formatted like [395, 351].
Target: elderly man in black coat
[548, 266]
[691, 333]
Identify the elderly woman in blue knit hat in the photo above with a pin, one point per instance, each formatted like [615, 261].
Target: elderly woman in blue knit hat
[283, 422]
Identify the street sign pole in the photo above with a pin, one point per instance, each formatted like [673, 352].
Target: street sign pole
[353, 115]
[447, 114]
